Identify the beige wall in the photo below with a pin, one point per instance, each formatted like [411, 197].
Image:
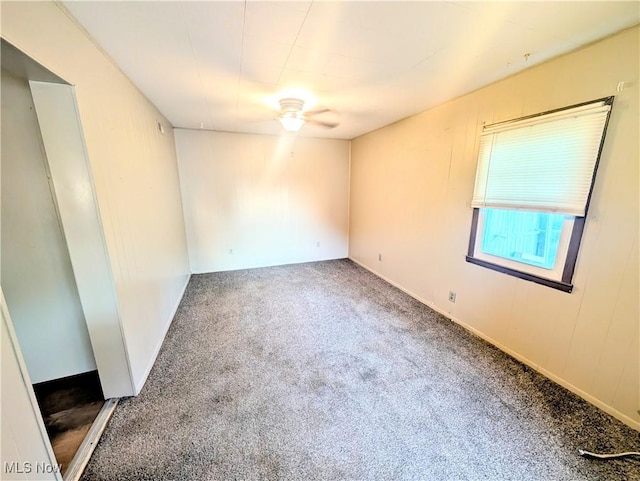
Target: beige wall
[134, 169]
[411, 187]
[259, 200]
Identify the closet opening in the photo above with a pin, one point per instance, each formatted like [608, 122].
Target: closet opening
[39, 274]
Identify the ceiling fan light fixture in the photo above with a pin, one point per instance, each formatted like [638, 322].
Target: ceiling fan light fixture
[291, 123]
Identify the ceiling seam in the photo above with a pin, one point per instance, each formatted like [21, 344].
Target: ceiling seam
[244, 22]
[197, 66]
[295, 40]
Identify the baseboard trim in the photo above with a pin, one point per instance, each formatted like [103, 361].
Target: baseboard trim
[82, 456]
[549, 375]
[242, 267]
[138, 385]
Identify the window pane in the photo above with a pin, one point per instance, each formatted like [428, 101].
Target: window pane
[522, 236]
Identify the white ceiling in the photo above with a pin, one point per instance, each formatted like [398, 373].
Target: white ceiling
[222, 65]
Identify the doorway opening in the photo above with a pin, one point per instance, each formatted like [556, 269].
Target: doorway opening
[38, 278]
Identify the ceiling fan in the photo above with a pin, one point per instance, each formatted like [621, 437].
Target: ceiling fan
[293, 117]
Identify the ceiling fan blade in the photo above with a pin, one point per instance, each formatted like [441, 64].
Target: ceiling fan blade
[311, 113]
[327, 125]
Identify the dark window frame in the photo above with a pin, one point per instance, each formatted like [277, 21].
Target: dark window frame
[565, 284]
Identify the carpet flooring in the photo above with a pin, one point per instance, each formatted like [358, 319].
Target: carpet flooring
[324, 371]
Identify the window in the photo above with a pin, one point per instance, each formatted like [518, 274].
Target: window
[533, 185]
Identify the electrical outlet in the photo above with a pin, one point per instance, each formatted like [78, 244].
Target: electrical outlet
[318, 244]
[452, 296]
[230, 251]
[379, 257]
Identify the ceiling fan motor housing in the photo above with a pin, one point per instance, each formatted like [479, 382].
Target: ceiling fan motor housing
[291, 105]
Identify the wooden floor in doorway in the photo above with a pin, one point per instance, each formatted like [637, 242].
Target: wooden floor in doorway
[69, 406]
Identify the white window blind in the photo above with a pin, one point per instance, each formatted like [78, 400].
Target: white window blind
[544, 163]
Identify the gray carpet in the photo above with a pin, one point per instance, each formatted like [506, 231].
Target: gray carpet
[324, 371]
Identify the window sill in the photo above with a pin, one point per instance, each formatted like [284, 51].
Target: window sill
[561, 286]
